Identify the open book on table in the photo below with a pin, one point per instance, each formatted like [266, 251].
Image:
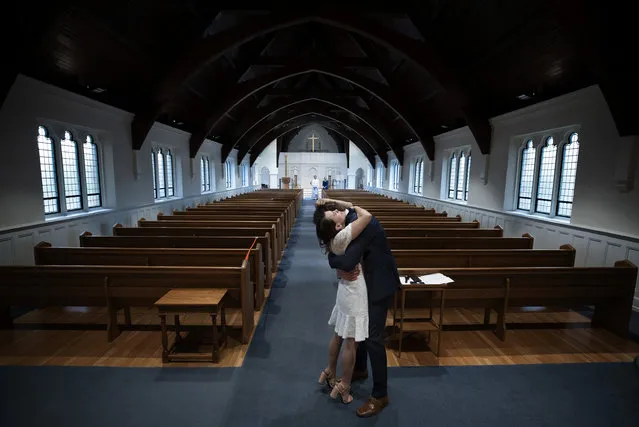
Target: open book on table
[427, 279]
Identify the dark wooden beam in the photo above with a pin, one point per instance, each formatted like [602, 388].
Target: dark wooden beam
[308, 109]
[27, 24]
[602, 38]
[235, 95]
[477, 121]
[420, 52]
[260, 114]
[279, 61]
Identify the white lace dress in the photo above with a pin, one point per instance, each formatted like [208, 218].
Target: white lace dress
[350, 314]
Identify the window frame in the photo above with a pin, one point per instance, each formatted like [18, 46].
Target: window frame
[418, 175]
[561, 139]
[99, 171]
[380, 175]
[395, 175]
[455, 193]
[56, 133]
[244, 172]
[205, 174]
[168, 188]
[228, 174]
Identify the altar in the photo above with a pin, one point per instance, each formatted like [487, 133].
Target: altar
[303, 166]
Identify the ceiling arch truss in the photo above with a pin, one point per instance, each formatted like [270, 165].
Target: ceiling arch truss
[206, 50]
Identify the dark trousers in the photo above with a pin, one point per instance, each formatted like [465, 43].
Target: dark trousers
[374, 346]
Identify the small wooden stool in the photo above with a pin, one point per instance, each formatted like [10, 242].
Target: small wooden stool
[427, 324]
[184, 301]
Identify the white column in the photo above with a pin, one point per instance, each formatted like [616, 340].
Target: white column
[351, 182]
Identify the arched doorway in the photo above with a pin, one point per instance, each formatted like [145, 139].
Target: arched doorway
[266, 177]
[359, 179]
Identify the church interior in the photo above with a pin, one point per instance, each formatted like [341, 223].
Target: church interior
[159, 263]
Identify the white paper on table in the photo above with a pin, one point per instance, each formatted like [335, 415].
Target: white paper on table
[404, 280]
[435, 279]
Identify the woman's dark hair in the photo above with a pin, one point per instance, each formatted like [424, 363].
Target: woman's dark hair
[324, 227]
[326, 232]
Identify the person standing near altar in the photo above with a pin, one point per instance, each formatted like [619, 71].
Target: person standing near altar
[315, 185]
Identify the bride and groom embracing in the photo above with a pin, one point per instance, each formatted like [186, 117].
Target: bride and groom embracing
[368, 279]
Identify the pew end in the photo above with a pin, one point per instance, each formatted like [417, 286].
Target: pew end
[532, 239]
[625, 263]
[115, 227]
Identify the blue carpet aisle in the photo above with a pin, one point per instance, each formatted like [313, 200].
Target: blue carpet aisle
[277, 384]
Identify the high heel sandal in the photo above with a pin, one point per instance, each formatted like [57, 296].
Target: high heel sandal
[326, 378]
[341, 390]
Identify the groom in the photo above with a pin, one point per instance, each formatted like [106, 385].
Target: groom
[382, 280]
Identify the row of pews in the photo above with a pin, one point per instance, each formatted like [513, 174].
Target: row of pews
[497, 273]
[233, 244]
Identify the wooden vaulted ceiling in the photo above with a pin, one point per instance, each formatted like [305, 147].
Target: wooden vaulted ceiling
[382, 75]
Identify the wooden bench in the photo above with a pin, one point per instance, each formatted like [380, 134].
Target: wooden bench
[264, 235]
[427, 219]
[524, 242]
[420, 232]
[247, 205]
[475, 258]
[202, 215]
[417, 223]
[204, 221]
[609, 289]
[45, 254]
[87, 240]
[119, 286]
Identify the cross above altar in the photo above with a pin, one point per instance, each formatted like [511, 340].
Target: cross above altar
[313, 138]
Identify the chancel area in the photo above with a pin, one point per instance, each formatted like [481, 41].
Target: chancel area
[160, 260]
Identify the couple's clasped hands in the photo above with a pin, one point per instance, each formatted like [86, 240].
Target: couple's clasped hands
[348, 275]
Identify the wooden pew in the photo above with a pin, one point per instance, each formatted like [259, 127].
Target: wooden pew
[609, 289]
[263, 235]
[419, 224]
[247, 205]
[418, 218]
[45, 254]
[203, 214]
[288, 209]
[87, 240]
[381, 211]
[120, 286]
[257, 226]
[172, 220]
[476, 258]
[526, 241]
[444, 232]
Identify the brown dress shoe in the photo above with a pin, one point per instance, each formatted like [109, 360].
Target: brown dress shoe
[372, 407]
[359, 376]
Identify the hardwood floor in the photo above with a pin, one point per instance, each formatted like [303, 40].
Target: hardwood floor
[77, 337]
[540, 340]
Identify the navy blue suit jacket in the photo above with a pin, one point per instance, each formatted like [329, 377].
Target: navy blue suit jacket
[371, 247]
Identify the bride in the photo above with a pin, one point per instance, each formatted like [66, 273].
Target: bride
[350, 314]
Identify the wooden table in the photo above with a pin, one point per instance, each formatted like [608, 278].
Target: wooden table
[185, 301]
[426, 324]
